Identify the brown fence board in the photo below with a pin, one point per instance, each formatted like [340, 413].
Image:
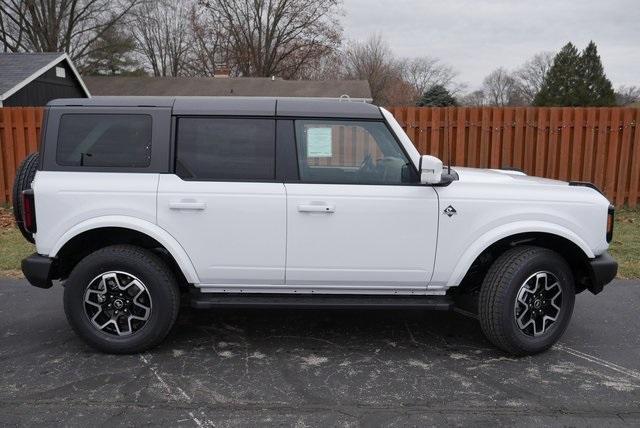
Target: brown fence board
[8, 148]
[565, 144]
[577, 143]
[635, 163]
[461, 133]
[611, 170]
[601, 145]
[625, 149]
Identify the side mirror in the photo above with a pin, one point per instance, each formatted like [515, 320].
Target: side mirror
[430, 170]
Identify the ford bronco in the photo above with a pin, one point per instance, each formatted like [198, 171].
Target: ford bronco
[135, 203]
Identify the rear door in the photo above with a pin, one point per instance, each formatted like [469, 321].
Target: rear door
[223, 204]
[358, 220]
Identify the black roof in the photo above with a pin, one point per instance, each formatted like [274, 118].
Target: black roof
[246, 106]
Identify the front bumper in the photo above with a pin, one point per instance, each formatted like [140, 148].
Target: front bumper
[39, 270]
[602, 270]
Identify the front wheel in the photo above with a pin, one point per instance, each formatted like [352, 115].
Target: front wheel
[526, 300]
[121, 299]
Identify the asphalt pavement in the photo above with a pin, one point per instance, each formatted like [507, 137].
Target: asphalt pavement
[319, 368]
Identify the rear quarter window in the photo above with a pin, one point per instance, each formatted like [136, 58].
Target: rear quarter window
[104, 140]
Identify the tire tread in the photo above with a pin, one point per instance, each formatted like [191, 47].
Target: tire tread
[151, 261]
[494, 295]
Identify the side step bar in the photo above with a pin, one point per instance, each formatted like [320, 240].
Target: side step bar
[312, 301]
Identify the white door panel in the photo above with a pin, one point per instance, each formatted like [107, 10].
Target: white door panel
[234, 232]
[361, 236]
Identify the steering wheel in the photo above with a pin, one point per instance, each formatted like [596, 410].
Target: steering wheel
[367, 163]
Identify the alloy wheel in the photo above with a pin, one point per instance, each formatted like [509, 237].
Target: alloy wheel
[538, 303]
[117, 303]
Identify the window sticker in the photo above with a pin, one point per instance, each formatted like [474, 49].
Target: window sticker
[319, 142]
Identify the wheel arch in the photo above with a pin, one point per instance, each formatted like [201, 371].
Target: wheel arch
[102, 231]
[478, 257]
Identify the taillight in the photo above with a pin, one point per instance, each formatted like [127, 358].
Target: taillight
[610, 217]
[29, 211]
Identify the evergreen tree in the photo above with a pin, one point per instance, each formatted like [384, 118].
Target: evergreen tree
[561, 85]
[113, 55]
[596, 89]
[576, 80]
[437, 96]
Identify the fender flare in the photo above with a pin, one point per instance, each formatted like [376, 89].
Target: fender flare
[152, 230]
[506, 230]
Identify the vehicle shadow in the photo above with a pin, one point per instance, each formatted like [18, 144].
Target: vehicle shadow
[317, 328]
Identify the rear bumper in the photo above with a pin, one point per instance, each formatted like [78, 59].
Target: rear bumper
[602, 270]
[39, 270]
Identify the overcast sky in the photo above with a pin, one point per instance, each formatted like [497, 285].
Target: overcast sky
[477, 36]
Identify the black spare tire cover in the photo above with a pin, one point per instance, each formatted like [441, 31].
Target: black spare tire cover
[24, 176]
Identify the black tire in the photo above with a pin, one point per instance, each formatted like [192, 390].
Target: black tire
[24, 177]
[502, 286]
[142, 264]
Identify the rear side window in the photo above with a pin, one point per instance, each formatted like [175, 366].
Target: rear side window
[225, 149]
[104, 140]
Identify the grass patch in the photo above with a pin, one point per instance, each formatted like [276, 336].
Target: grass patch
[625, 247]
[13, 248]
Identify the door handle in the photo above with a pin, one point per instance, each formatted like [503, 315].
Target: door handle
[187, 205]
[316, 208]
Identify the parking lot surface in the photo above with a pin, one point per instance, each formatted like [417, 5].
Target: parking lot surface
[321, 367]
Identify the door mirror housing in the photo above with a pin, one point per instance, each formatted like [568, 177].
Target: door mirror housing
[430, 170]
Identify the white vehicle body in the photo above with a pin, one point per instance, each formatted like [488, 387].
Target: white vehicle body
[282, 237]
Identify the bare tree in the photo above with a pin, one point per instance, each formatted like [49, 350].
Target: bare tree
[627, 95]
[276, 37]
[474, 99]
[500, 88]
[425, 72]
[373, 61]
[531, 75]
[71, 26]
[210, 50]
[162, 34]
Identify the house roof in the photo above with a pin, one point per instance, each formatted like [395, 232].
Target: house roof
[19, 69]
[216, 86]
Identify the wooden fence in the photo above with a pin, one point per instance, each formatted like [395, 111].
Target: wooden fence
[19, 136]
[600, 145]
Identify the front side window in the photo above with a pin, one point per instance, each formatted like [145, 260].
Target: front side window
[225, 149]
[350, 152]
[104, 140]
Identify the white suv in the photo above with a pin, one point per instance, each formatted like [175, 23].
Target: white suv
[135, 202]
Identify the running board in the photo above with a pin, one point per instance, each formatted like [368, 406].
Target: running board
[201, 300]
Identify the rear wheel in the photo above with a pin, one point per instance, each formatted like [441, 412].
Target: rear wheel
[526, 300]
[24, 177]
[122, 299]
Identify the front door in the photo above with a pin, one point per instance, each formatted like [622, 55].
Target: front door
[358, 221]
[223, 204]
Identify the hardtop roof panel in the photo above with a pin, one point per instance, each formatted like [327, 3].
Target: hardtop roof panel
[114, 101]
[225, 106]
[327, 108]
[237, 106]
